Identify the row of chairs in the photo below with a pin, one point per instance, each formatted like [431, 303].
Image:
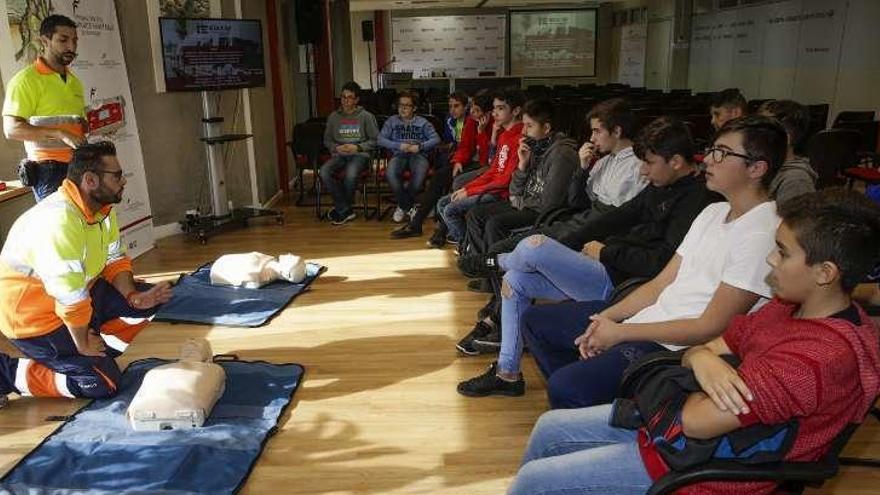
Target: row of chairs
[309, 154]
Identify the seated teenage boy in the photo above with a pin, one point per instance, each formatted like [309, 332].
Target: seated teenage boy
[409, 137]
[796, 176]
[810, 355]
[469, 133]
[492, 184]
[727, 105]
[717, 272]
[350, 137]
[635, 240]
[615, 178]
[540, 183]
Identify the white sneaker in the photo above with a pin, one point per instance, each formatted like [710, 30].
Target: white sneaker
[412, 212]
[399, 215]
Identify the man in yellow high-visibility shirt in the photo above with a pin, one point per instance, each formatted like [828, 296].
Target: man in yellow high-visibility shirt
[68, 299]
[44, 107]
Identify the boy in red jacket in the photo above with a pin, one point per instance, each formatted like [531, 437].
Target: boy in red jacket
[811, 354]
[493, 184]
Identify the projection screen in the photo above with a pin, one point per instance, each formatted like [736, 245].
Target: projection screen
[552, 43]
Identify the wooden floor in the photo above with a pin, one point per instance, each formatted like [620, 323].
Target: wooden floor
[377, 412]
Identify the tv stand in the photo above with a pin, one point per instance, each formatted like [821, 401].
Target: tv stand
[223, 216]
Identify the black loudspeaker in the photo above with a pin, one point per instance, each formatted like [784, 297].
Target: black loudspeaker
[309, 16]
[367, 30]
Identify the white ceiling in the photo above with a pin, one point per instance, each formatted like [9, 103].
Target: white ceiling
[447, 4]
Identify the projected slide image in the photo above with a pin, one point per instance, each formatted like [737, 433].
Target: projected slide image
[553, 43]
[211, 54]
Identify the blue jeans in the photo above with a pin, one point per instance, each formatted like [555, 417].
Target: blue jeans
[541, 267]
[576, 451]
[453, 213]
[418, 167]
[343, 196]
[572, 382]
[49, 176]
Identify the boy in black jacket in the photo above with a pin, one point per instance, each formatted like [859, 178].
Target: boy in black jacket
[585, 262]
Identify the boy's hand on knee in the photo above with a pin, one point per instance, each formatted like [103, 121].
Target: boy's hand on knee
[583, 343]
[603, 334]
[593, 249]
[536, 240]
[458, 195]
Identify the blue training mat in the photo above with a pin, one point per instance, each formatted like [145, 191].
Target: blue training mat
[197, 301]
[97, 452]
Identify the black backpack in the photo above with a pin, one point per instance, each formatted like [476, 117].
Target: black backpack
[652, 394]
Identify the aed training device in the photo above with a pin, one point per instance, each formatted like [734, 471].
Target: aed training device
[179, 395]
[106, 117]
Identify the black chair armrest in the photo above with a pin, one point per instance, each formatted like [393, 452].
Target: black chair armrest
[800, 473]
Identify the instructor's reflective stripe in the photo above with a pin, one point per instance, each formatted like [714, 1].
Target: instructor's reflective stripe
[21, 377]
[134, 321]
[115, 342]
[61, 385]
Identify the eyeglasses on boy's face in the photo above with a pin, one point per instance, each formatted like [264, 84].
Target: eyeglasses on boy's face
[719, 154]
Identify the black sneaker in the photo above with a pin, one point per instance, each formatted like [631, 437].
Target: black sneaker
[489, 384]
[489, 343]
[466, 346]
[438, 239]
[344, 218]
[478, 266]
[406, 231]
[451, 240]
[481, 285]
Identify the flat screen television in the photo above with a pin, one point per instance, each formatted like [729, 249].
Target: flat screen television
[212, 54]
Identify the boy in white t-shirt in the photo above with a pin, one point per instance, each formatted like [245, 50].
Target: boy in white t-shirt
[717, 272]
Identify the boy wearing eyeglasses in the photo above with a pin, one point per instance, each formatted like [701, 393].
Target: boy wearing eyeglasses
[350, 137]
[409, 138]
[810, 355]
[717, 272]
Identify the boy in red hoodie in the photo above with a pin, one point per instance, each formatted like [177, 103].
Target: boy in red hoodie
[811, 354]
[493, 184]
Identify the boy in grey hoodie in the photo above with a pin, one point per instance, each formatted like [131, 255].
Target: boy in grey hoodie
[796, 176]
[547, 161]
[350, 137]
